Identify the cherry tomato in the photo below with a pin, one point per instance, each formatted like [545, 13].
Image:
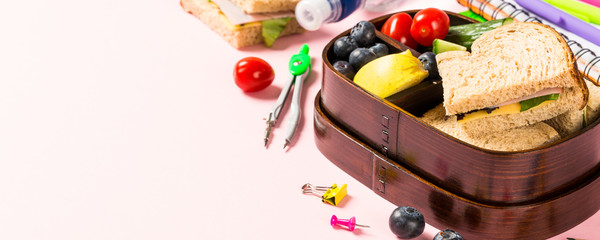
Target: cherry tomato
[398, 27]
[429, 24]
[253, 74]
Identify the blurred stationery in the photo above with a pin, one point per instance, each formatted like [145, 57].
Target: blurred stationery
[562, 19]
[332, 195]
[584, 50]
[350, 223]
[592, 2]
[473, 15]
[583, 11]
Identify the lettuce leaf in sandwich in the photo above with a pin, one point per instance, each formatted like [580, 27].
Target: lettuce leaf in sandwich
[272, 28]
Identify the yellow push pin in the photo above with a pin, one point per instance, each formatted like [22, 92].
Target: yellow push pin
[332, 195]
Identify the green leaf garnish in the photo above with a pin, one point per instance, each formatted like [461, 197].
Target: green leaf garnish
[529, 103]
[272, 28]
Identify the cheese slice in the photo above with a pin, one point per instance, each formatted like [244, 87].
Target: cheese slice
[239, 26]
[502, 110]
[230, 25]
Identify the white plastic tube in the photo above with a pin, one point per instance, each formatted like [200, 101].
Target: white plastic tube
[312, 14]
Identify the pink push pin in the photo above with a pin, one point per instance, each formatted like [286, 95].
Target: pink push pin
[349, 223]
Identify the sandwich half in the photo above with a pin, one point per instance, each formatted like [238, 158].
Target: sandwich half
[515, 75]
[276, 19]
[515, 139]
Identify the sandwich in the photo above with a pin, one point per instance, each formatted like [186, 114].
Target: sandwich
[246, 22]
[515, 75]
[572, 121]
[514, 139]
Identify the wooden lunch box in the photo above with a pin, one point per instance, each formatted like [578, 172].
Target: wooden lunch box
[482, 194]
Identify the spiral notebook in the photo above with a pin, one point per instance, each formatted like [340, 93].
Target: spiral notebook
[588, 62]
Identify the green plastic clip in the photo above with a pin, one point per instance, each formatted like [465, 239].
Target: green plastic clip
[300, 63]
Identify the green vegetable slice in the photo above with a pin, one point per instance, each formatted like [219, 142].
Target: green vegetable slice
[440, 46]
[272, 28]
[466, 34]
[529, 103]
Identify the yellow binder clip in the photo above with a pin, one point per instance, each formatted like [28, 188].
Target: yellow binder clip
[332, 195]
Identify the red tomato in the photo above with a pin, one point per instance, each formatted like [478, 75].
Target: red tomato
[429, 24]
[253, 74]
[398, 27]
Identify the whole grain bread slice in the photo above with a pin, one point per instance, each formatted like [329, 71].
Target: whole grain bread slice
[515, 139]
[238, 37]
[568, 123]
[507, 63]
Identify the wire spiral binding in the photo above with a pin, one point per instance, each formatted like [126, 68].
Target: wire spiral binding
[482, 6]
[500, 8]
[591, 65]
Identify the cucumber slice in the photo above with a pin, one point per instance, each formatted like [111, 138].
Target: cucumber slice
[440, 46]
[466, 34]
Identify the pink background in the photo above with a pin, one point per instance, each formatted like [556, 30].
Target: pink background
[121, 120]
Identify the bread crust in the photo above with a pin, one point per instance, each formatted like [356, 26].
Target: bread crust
[567, 123]
[575, 73]
[248, 35]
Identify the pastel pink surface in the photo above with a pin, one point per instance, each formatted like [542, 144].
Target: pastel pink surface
[121, 120]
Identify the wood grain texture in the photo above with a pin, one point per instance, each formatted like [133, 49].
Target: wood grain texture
[443, 208]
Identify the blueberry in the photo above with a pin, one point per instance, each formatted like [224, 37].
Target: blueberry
[430, 64]
[363, 33]
[342, 47]
[407, 222]
[345, 68]
[361, 56]
[448, 234]
[380, 49]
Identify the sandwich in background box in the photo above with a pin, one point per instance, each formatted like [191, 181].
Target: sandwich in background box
[246, 22]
